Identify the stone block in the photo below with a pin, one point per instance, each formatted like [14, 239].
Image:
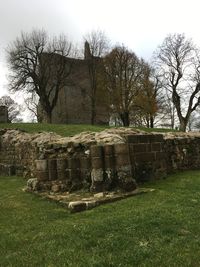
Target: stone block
[144, 172]
[91, 204]
[96, 151]
[160, 155]
[85, 163]
[125, 178]
[128, 184]
[41, 165]
[97, 163]
[61, 169]
[7, 169]
[110, 177]
[132, 139]
[53, 174]
[61, 164]
[156, 138]
[73, 163]
[62, 175]
[42, 175]
[148, 147]
[97, 186]
[135, 148]
[32, 184]
[144, 138]
[122, 160]
[99, 195]
[149, 156]
[108, 150]
[77, 206]
[52, 167]
[97, 175]
[55, 188]
[156, 147]
[11, 170]
[121, 149]
[73, 174]
[109, 162]
[160, 174]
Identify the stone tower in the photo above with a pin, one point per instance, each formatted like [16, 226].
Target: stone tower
[87, 52]
[74, 104]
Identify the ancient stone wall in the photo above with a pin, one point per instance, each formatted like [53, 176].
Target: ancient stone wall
[97, 162]
[182, 153]
[18, 151]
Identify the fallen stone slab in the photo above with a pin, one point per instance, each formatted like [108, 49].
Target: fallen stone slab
[82, 201]
[82, 205]
[77, 206]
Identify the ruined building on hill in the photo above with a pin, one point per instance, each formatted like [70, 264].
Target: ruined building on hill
[77, 102]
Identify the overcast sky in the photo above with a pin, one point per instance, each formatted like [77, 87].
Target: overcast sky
[139, 24]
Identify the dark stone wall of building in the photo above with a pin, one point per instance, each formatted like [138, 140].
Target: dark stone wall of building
[74, 100]
[3, 114]
[73, 104]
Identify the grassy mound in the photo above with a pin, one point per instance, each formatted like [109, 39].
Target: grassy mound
[64, 129]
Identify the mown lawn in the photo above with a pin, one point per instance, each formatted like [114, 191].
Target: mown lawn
[160, 228]
[65, 129]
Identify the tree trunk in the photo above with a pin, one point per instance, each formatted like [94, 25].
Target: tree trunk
[93, 112]
[151, 122]
[93, 117]
[147, 121]
[47, 117]
[125, 118]
[44, 112]
[183, 125]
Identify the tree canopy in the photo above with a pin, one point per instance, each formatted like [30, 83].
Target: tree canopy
[36, 68]
[136, 90]
[179, 60]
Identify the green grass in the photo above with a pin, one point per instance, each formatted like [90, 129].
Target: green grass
[160, 228]
[64, 129]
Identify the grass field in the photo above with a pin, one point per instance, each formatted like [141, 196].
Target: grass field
[160, 228]
[64, 129]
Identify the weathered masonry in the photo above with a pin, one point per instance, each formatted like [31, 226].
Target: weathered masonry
[74, 104]
[66, 164]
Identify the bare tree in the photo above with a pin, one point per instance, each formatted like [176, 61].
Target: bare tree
[96, 46]
[179, 60]
[149, 99]
[31, 102]
[123, 72]
[37, 64]
[169, 116]
[14, 109]
[98, 42]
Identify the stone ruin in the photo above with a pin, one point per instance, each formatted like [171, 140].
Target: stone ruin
[114, 159]
[74, 99]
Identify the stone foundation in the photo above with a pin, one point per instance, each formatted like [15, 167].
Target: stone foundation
[111, 160]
